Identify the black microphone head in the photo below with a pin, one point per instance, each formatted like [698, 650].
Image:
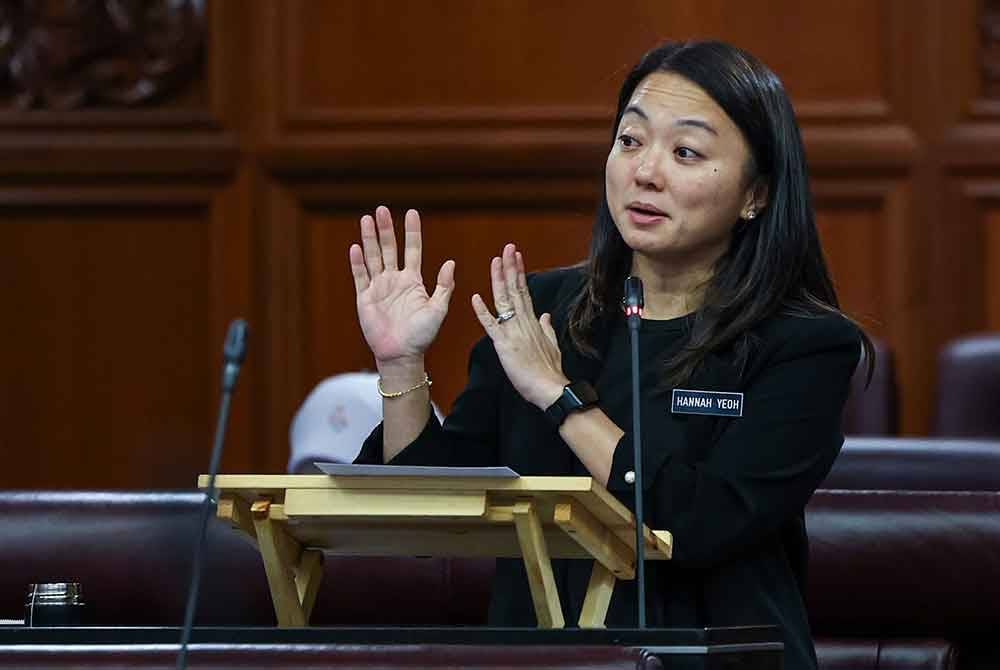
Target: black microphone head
[235, 348]
[632, 301]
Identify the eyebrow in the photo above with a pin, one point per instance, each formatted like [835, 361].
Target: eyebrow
[686, 121]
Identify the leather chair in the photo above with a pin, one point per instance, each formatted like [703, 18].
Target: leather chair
[871, 409]
[916, 464]
[904, 535]
[132, 552]
[968, 388]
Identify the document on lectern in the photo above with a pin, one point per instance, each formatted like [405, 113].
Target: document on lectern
[340, 469]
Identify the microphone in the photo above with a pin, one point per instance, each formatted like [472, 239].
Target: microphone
[234, 351]
[632, 302]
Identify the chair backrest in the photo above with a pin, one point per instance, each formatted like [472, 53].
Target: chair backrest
[916, 464]
[904, 563]
[968, 388]
[132, 552]
[903, 535]
[872, 410]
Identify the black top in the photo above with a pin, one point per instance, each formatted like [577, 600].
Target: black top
[732, 491]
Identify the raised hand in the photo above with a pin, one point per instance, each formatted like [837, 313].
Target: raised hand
[398, 318]
[526, 345]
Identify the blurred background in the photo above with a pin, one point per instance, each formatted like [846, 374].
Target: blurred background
[166, 166]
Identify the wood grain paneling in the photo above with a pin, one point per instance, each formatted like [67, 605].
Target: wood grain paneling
[873, 247]
[489, 88]
[969, 248]
[112, 337]
[861, 223]
[487, 64]
[854, 242]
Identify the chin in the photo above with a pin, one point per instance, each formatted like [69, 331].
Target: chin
[649, 242]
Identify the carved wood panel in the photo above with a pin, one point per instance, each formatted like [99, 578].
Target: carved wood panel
[71, 54]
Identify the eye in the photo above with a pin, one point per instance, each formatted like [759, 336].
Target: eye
[627, 141]
[686, 153]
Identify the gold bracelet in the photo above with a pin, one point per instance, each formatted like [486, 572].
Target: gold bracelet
[427, 382]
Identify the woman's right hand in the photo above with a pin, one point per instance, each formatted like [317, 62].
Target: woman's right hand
[399, 320]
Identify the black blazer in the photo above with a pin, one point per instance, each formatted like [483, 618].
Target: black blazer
[731, 490]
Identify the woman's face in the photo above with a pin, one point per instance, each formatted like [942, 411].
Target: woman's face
[677, 176]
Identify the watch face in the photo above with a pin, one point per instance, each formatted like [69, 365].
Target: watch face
[583, 393]
[575, 396]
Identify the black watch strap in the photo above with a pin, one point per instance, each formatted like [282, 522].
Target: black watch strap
[575, 396]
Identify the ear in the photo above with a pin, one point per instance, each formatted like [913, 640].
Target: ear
[755, 200]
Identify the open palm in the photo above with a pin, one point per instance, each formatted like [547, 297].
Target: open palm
[397, 316]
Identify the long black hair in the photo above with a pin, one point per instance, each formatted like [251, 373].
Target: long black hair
[774, 264]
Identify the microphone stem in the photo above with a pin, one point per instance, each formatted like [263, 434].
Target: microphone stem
[206, 510]
[640, 543]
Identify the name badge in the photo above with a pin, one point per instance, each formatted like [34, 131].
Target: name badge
[714, 403]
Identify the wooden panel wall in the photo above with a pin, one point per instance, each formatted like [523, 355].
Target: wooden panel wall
[133, 229]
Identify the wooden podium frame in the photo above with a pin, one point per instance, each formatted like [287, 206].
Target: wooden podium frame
[295, 519]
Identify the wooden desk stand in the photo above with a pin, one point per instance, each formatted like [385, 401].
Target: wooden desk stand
[295, 519]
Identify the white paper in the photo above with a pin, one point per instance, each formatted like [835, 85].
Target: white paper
[414, 471]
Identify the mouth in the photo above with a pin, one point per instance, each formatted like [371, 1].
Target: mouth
[643, 213]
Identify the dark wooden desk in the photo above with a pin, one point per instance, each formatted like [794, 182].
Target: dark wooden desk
[751, 648]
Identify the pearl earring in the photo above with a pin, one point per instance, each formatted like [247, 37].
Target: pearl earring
[751, 214]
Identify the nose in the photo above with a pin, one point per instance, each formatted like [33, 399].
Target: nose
[648, 173]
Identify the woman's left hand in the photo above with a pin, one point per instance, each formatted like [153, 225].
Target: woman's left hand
[527, 347]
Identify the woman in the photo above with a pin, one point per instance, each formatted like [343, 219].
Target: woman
[706, 200]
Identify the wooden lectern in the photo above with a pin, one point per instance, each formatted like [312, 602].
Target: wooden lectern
[295, 519]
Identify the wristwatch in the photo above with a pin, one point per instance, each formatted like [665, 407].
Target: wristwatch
[575, 396]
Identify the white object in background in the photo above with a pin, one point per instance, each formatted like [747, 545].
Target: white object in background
[333, 421]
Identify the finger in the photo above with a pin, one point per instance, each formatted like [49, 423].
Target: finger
[550, 332]
[500, 298]
[522, 284]
[412, 242]
[510, 279]
[386, 237]
[445, 284]
[486, 319]
[358, 269]
[369, 242]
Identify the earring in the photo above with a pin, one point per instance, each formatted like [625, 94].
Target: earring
[751, 214]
